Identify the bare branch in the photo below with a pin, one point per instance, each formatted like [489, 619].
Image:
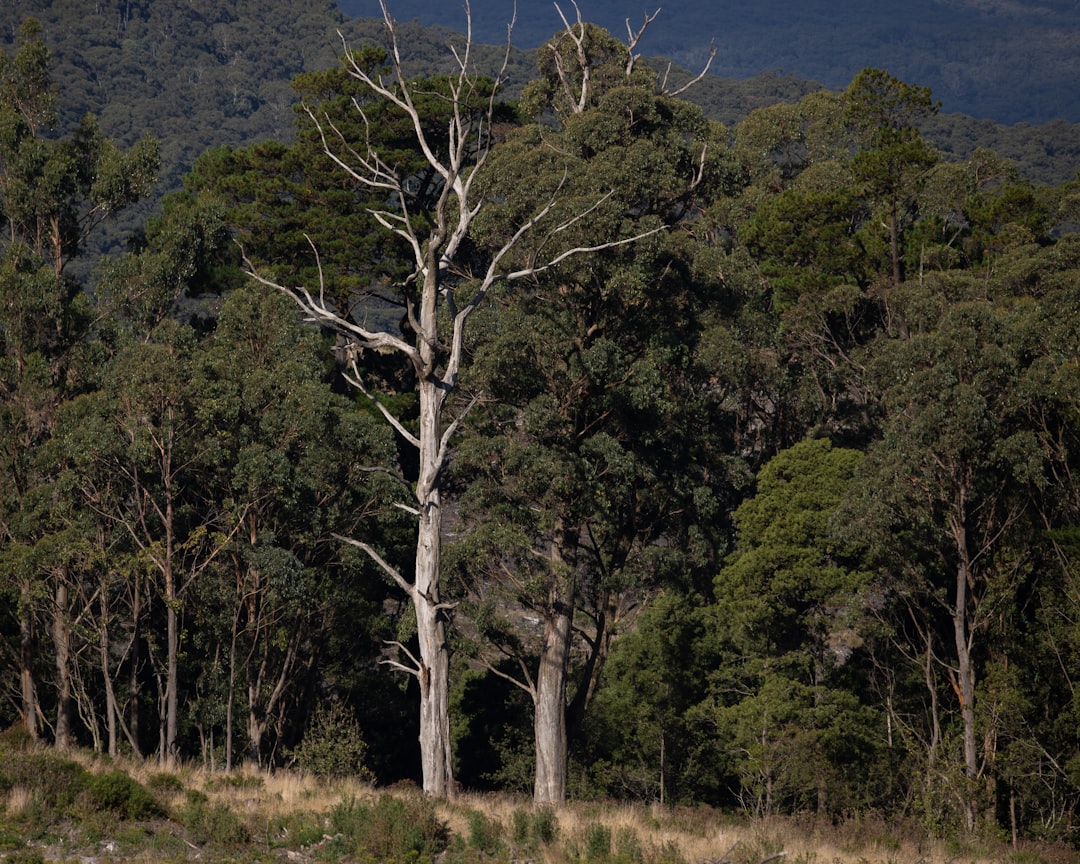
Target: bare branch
[577, 105]
[390, 570]
[692, 81]
[416, 669]
[633, 38]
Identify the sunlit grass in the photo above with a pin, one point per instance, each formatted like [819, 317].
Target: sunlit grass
[288, 810]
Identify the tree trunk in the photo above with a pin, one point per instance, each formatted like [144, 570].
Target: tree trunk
[112, 710]
[434, 673]
[550, 715]
[436, 756]
[965, 671]
[62, 646]
[133, 672]
[26, 665]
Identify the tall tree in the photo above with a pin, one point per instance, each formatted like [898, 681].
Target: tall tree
[53, 193]
[446, 286]
[586, 458]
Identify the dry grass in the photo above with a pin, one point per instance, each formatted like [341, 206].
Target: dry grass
[693, 835]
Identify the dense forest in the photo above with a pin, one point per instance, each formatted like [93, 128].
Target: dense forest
[648, 457]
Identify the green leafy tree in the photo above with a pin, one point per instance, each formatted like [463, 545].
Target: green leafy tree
[53, 193]
[946, 499]
[582, 466]
[789, 602]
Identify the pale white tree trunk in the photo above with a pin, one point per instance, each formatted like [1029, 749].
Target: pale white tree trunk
[549, 725]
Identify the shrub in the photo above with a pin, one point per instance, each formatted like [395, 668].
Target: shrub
[519, 827]
[165, 782]
[392, 830]
[545, 826]
[212, 823]
[627, 844]
[484, 833]
[597, 842]
[52, 782]
[116, 791]
[333, 745]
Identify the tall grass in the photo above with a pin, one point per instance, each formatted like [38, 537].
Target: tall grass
[66, 806]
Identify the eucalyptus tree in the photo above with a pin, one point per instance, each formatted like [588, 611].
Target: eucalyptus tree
[581, 469]
[947, 500]
[287, 471]
[53, 193]
[445, 286]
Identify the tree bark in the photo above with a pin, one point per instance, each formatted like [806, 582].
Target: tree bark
[549, 724]
[62, 646]
[436, 755]
[26, 665]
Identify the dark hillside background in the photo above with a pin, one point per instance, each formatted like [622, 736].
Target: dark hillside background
[202, 73]
[1007, 60]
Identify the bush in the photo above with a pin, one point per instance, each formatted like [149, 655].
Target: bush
[333, 745]
[117, 792]
[53, 783]
[597, 842]
[545, 826]
[392, 830]
[627, 844]
[484, 834]
[519, 827]
[212, 823]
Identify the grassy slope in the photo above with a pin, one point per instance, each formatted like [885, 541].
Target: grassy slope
[52, 808]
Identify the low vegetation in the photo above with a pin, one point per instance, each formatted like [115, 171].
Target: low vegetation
[84, 807]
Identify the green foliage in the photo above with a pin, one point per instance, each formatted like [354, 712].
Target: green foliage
[333, 745]
[392, 829]
[53, 782]
[212, 822]
[545, 826]
[484, 834]
[117, 792]
[597, 842]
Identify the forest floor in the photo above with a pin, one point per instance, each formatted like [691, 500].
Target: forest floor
[85, 809]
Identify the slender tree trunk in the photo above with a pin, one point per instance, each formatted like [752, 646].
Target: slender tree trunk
[112, 710]
[965, 670]
[62, 646]
[26, 664]
[135, 660]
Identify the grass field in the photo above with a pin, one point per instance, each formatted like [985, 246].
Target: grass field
[78, 807]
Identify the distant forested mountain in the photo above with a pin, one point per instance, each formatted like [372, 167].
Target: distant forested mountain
[1009, 60]
[207, 72]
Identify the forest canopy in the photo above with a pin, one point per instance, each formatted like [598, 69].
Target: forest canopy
[651, 457]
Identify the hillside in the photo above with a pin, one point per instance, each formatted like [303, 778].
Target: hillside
[1011, 62]
[205, 73]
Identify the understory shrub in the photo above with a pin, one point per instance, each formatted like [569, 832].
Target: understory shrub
[116, 791]
[51, 782]
[333, 745]
[391, 829]
[211, 822]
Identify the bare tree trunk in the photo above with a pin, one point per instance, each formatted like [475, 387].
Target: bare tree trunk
[549, 724]
[26, 665]
[135, 658]
[112, 710]
[436, 756]
[62, 645]
[550, 719]
[966, 690]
